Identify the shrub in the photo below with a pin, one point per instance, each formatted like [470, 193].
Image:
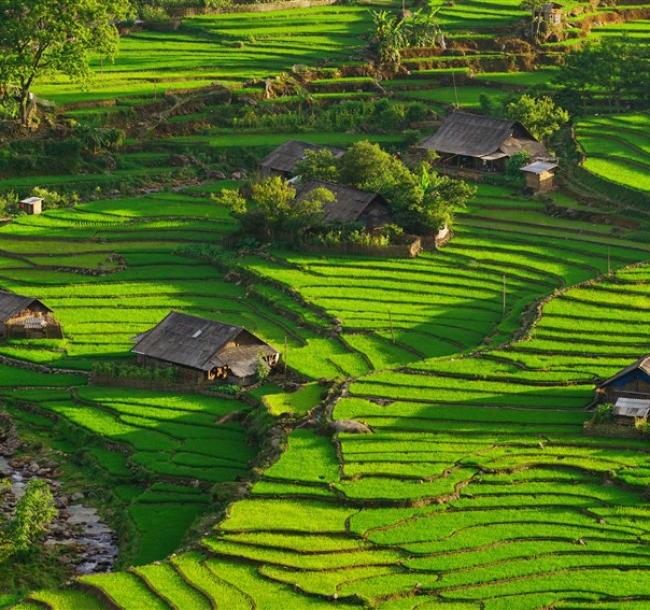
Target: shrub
[604, 413]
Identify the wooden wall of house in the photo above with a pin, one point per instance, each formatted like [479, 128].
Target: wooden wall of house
[184, 373]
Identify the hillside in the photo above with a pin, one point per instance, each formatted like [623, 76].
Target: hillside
[470, 369]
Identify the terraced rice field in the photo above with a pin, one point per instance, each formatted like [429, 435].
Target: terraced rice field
[617, 149]
[526, 512]
[228, 49]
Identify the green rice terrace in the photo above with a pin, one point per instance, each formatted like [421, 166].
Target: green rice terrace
[436, 410]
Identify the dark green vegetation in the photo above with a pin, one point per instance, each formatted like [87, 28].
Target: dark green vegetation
[473, 366]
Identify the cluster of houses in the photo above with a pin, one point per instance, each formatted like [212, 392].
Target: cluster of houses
[205, 351]
[466, 143]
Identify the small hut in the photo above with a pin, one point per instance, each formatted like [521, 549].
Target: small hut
[550, 13]
[540, 176]
[31, 205]
[204, 350]
[631, 382]
[27, 318]
[283, 160]
[350, 205]
[481, 143]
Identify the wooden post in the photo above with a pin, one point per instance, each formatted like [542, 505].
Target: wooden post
[392, 330]
[504, 294]
[286, 350]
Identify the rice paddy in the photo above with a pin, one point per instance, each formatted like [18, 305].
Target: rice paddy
[473, 367]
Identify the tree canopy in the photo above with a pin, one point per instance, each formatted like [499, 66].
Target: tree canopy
[40, 37]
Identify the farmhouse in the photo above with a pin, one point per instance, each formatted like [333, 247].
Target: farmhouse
[283, 160]
[632, 382]
[31, 205]
[540, 176]
[350, 205]
[27, 318]
[204, 350]
[482, 143]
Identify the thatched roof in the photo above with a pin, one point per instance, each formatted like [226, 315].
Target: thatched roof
[199, 344]
[286, 156]
[349, 203]
[12, 304]
[642, 364]
[474, 135]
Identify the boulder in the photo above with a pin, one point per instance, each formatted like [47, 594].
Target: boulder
[351, 425]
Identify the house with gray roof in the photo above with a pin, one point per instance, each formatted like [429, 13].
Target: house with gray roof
[483, 143]
[350, 205]
[282, 161]
[27, 318]
[204, 350]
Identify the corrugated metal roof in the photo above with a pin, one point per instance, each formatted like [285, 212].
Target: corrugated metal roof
[632, 407]
[539, 167]
[11, 304]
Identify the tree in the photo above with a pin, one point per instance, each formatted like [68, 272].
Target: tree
[614, 71]
[34, 512]
[541, 116]
[319, 164]
[273, 211]
[387, 40]
[441, 196]
[41, 37]
[536, 19]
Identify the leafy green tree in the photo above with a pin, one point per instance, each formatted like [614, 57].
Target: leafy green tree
[541, 115]
[273, 211]
[618, 72]
[41, 37]
[387, 40]
[441, 196]
[320, 164]
[34, 512]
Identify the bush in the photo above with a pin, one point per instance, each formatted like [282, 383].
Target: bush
[604, 413]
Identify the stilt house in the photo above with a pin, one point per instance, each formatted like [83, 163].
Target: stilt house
[204, 350]
[27, 318]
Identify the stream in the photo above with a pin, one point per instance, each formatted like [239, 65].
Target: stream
[92, 544]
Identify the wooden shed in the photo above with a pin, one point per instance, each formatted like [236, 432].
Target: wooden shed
[204, 350]
[631, 382]
[350, 205]
[482, 143]
[551, 13]
[283, 160]
[31, 205]
[27, 318]
[540, 176]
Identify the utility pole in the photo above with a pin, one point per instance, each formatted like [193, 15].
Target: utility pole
[609, 262]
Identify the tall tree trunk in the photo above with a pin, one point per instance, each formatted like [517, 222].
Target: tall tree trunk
[24, 107]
